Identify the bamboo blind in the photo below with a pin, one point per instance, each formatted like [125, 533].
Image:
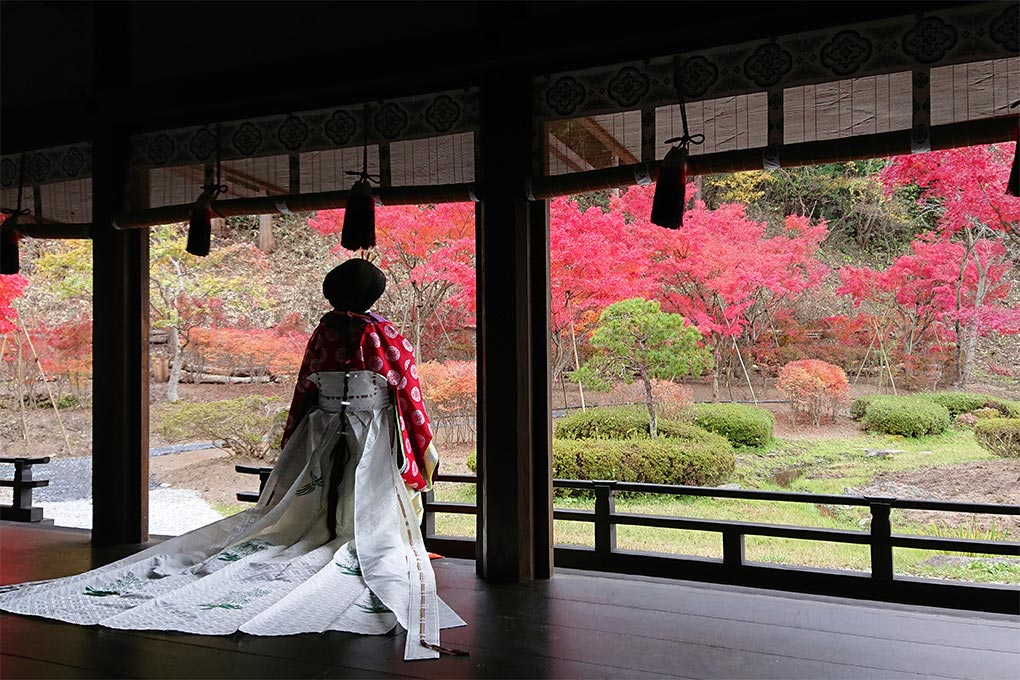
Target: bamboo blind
[449, 159]
[9, 199]
[844, 108]
[327, 170]
[68, 202]
[981, 89]
[592, 142]
[728, 123]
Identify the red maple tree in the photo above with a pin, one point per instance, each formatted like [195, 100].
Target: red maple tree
[12, 286]
[594, 261]
[723, 271]
[952, 285]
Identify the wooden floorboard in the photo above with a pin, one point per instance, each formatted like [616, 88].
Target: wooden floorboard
[577, 625]
[20, 667]
[854, 617]
[700, 637]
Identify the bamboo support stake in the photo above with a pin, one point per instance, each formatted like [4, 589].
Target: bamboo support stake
[19, 380]
[864, 361]
[746, 374]
[49, 392]
[885, 359]
[577, 361]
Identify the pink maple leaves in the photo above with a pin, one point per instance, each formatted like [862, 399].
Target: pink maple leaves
[11, 288]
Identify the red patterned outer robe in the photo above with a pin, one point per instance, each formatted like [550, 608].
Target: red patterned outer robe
[383, 350]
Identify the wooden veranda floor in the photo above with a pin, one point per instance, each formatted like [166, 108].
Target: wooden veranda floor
[576, 625]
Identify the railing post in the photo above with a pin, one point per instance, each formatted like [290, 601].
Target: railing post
[428, 518]
[605, 529]
[881, 539]
[733, 548]
[264, 473]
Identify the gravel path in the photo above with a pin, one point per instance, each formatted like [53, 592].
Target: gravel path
[68, 498]
[171, 512]
[70, 479]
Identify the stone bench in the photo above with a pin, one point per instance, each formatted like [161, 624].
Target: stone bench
[262, 472]
[21, 510]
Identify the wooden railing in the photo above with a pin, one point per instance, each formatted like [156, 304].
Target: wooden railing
[734, 569]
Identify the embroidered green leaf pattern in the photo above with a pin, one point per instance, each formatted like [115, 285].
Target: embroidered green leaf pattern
[310, 486]
[353, 569]
[235, 599]
[374, 606]
[122, 586]
[240, 550]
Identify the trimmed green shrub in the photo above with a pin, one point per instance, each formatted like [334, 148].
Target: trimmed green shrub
[986, 413]
[906, 416]
[1008, 408]
[249, 426]
[741, 424]
[627, 422]
[968, 402]
[860, 405]
[472, 461]
[621, 422]
[999, 436]
[661, 461]
[671, 429]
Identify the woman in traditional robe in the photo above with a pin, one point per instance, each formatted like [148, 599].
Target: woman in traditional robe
[334, 541]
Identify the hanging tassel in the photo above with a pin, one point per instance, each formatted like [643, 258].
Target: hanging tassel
[671, 189]
[1013, 186]
[200, 228]
[444, 650]
[10, 262]
[359, 217]
[10, 258]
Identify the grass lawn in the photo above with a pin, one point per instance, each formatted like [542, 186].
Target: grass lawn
[819, 466]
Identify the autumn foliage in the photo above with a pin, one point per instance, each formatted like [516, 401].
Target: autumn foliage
[958, 275]
[11, 288]
[450, 391]
[273, 351]
[768, 292]
[65, 352]
[814, 388]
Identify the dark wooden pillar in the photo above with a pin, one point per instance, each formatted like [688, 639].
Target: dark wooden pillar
[541, 389]
[120, 411]
[513, 534]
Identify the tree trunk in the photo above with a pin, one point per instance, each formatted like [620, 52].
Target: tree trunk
[266, 242]
[729, 378]
[417, 333]
[650, 403]
[715, 375]
[176, 364]
[972, 330]
[577, 366]
[966, 342]
[961, 377]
